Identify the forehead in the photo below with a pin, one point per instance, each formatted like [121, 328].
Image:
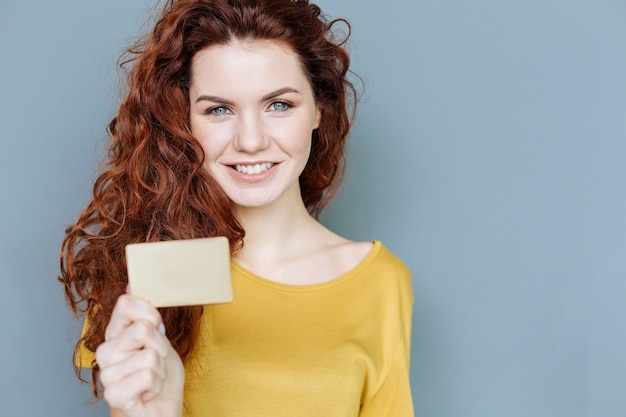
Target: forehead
[253, 63]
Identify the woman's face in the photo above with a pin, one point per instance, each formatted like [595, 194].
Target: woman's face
[253, 111]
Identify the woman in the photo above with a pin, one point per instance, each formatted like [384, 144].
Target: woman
[235, 124]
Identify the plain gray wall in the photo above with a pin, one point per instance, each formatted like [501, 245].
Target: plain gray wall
[489, 154]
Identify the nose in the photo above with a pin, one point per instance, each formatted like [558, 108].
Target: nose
[250, 135]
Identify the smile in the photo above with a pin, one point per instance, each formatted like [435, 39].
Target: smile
[253, 169]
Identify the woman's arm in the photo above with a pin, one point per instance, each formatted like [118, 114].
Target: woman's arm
[141, 373]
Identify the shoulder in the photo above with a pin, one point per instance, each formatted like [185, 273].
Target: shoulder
[384, 286]
[372, 258]
[389, 259]
[386, 263]
[380, 275]
[388, 276]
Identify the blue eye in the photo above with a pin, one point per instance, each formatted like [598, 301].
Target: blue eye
[217, 111]
[280, 106]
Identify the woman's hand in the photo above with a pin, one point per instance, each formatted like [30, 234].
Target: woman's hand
[141, 373]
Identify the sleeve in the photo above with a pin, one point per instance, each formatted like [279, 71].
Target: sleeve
[84, 358]
[392, 394]
[393, 397]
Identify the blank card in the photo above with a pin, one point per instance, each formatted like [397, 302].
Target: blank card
[180, 272]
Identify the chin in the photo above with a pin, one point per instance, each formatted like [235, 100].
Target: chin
[251, 202]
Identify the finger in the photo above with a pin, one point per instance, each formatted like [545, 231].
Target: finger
[137, 336]
[129, 309]
[129, 392]
[145, 359]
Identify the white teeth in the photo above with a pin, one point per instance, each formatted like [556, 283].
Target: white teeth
[254, 169]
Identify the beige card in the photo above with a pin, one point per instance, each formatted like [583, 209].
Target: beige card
[180, 272]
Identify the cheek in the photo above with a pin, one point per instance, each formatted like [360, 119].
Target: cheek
[209, 139]
[208, 147]
[300, 149]
[305, 143]
[299, 137]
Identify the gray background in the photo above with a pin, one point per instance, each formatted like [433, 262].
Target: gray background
[488, 154]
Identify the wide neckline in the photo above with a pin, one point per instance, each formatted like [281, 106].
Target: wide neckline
[311, 287]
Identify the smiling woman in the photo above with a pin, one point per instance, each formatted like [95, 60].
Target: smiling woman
[235, 124]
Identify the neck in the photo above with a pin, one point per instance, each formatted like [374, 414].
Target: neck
[273, 230]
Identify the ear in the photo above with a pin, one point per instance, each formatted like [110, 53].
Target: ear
[318, 118]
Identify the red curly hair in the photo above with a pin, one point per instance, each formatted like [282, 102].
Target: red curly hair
[154, 187]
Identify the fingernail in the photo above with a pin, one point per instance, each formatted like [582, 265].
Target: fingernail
[162, 329]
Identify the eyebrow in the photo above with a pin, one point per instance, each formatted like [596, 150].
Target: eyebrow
[268, 96]
[279, 92]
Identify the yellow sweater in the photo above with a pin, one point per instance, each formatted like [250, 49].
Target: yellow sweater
[336, 349]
